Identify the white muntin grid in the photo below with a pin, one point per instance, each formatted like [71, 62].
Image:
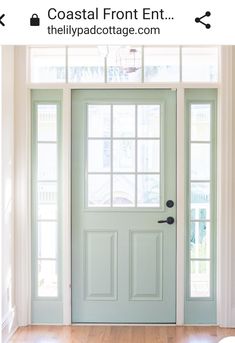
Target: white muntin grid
[135, 172]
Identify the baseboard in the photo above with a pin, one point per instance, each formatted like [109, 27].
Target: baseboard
[9, 325]
[232, 324]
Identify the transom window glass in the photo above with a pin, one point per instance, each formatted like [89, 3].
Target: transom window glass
[161, 64]
[123, 155]
[200, 64]
[85, 65]
[48, 65]
[124, 64]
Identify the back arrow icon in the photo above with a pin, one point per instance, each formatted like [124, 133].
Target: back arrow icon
[1, 17]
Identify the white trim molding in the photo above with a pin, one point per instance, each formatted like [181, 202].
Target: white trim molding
[225, 207]
[180, 209]
[66, 190]
[22, 191]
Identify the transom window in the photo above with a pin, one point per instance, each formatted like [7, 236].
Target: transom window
[123, 64]
[123, 155]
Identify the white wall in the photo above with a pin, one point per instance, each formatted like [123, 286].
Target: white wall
[7, 161]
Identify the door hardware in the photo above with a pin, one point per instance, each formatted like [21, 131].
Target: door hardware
[169, 220]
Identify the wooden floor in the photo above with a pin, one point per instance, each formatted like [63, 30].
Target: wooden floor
[120, 334]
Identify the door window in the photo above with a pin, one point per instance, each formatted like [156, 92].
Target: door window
[124, 155]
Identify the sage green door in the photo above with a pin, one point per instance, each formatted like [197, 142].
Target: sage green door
[123, 173]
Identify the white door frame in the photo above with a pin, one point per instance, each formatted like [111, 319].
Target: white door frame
[23, 187]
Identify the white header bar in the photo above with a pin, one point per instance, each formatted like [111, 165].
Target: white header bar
[149, 22]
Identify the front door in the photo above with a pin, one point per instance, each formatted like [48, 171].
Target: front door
[123, 176]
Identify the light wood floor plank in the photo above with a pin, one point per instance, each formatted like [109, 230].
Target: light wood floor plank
[120, 334]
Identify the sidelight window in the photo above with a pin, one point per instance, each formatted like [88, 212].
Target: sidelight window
[46, 188]
[201, 192]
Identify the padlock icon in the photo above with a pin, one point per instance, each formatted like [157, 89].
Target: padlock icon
[34, 20]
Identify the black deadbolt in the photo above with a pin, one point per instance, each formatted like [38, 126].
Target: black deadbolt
[170, 203]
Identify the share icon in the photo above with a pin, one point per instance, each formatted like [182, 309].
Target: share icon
[199, 19]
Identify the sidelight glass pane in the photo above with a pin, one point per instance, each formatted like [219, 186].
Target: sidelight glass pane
[200, 200]
[200, 240]
[47, 278]
[99, 154]
[148, 191]
[48, 65]
[45, 188]
[161, 64]
[201, 184]
[99, 190]
[123, 190]
[200, 64]
[148, 121]
[99, 121]
[47, 239]
[124, 64]
[200, 161]
[200, 122]
[86, 64]
[124, 121]
[124, 155]
[47, 161]
[200, 279]
[148, 156]
[47, 122]
[47, 200]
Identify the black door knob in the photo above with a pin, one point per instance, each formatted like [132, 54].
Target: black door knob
[169, 220]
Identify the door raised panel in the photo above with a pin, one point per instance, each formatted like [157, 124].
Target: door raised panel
[145, 265]
[100, 270]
